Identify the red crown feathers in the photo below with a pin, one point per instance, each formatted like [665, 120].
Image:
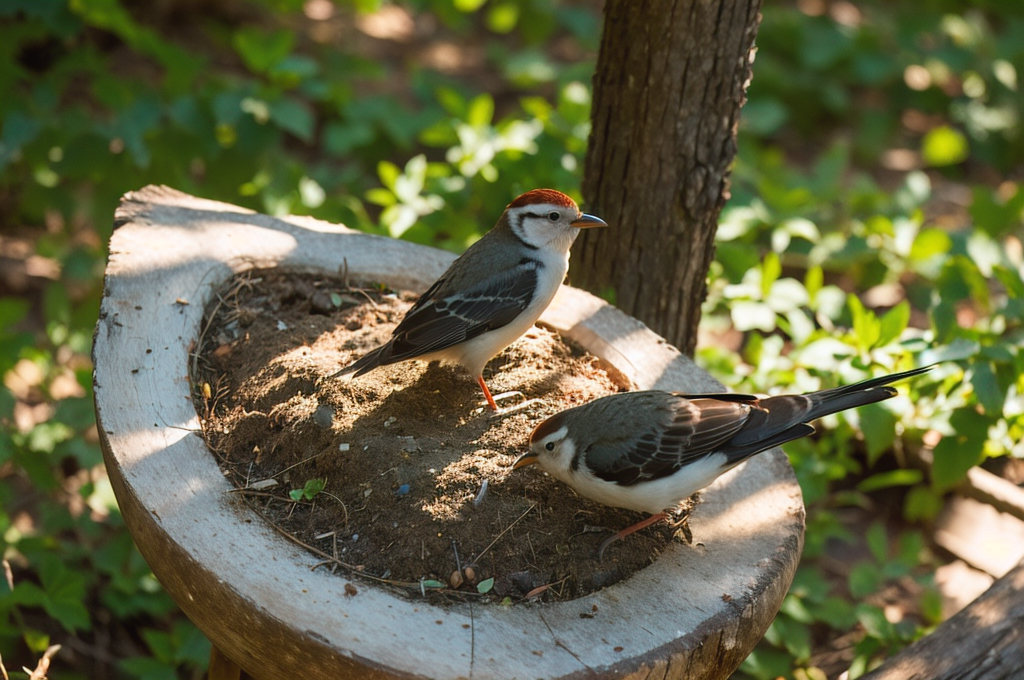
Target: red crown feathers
[537, 196]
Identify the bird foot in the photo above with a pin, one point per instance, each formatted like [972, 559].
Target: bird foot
[627, 531]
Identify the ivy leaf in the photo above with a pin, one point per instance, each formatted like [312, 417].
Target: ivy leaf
[485, 585]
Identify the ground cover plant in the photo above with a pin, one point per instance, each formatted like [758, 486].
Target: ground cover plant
[874, 222]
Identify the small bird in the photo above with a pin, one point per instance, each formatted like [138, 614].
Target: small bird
[650, 451]
[491, 294]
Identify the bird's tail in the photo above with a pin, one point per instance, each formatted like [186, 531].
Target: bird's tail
[784, 418]
[364, 364]
[827, 402]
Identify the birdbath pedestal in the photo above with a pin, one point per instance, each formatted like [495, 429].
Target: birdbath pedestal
[696, 612]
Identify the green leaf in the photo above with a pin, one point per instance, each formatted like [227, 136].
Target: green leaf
[18, 130]
[763, 116]
[765, 663]
[160, 644]
[388, 173]
[1011, 280]
[294, 116]
[313, 487]
[878, 541]
[481, 111]
[944, 146]
[485, 585]
[886, 480]
[36, 640]
[922, 504]
[874, 621]
[879, 427]
[381, 196]
[959, 452]
[795, 636]
[995, 216]
[259, 49]
[958, 350]
[340, 139]
[930, 243]
[866, 326]
[893, 323]
[148, 668]
[864, 579]
[990, 394]
[451, 101]
[770, 270]
[813, 281]
[191, 646]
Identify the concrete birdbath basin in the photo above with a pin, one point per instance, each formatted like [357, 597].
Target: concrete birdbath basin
[690, 614]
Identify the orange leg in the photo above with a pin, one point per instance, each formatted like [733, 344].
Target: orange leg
[628, 530]
[487, 393]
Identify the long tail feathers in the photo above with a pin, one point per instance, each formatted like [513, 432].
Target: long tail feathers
[787, 417]
[827, 402]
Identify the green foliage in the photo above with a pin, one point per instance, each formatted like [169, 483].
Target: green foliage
[796, 238]
[309, 490]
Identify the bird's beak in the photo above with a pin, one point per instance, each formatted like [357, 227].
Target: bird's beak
[528, 458]
[585, 221]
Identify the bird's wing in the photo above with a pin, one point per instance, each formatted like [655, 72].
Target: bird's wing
[444, 318]
[697, 427]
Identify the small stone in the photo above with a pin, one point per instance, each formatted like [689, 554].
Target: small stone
[324, 416]
[403, 490]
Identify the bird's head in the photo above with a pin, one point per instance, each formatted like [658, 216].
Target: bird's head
[551, 446]
[546, 218]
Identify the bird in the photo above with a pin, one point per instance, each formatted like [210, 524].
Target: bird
[651, 450]
[492, 293]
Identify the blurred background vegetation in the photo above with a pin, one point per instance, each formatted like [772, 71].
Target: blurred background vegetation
[875, 222]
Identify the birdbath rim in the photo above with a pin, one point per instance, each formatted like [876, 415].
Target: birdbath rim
[256, 595]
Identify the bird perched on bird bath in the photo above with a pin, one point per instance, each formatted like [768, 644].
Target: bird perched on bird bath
[651, 450]
[491, 294]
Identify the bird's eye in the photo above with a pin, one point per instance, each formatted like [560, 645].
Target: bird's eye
[550, 446]
[554, 216]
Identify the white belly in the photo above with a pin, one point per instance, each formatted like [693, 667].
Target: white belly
[651, 496]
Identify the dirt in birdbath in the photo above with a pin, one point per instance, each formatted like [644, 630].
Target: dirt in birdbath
[416, 469]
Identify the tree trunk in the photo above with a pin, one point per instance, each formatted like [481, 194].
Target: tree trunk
[671, 77]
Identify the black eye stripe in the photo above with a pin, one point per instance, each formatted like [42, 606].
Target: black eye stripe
[554, 215]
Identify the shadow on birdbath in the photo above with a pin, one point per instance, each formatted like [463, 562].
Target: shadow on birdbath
[264, 601]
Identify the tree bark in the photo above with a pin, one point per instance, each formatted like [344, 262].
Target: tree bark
[671, 78]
